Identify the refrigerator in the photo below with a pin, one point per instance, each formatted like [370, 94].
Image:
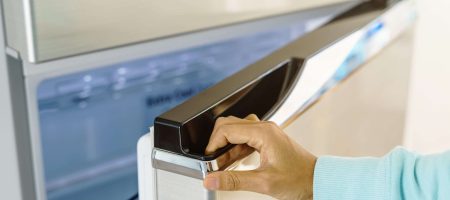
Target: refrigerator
[86, 81]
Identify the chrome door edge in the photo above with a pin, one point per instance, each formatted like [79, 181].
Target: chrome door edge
[183, 165]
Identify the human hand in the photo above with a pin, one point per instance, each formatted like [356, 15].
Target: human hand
[286, 169]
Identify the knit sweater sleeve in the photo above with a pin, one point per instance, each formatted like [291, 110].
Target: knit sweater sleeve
[398, 175]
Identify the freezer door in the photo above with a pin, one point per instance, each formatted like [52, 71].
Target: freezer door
[278, 88]
[43, 30]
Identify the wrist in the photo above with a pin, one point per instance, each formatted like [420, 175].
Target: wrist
[310, 190]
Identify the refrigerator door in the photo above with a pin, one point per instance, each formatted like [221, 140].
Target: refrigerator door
[277, 88]
[80, 149]
[43, 30]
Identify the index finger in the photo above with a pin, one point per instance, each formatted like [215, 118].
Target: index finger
[244, 133]
[226, 121]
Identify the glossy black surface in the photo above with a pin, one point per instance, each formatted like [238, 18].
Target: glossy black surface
[259, 88]
[260, 95]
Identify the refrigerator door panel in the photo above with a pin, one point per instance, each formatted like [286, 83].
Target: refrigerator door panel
[48, 29]
[324, 57]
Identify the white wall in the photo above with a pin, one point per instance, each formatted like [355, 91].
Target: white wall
[428, 114]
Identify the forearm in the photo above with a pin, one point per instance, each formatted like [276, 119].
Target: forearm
[398, 175]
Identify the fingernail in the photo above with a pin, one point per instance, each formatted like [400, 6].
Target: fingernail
[211, 183]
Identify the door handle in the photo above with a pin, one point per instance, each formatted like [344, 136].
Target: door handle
[272, 88]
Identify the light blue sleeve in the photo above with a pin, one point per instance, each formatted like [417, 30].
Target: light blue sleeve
[398, 175]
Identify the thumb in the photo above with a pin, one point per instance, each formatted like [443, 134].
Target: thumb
[233, 180]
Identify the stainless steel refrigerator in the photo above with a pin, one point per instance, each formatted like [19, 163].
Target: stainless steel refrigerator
[84, 81]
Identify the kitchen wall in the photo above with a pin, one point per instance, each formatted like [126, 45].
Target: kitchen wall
[428, 119]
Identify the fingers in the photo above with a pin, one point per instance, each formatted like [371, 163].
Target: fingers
[232, 120]
[234, 180]
[243, 133]
[236, 153]
[225, 121]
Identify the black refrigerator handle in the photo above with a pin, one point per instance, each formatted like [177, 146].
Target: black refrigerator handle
[260, 88]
